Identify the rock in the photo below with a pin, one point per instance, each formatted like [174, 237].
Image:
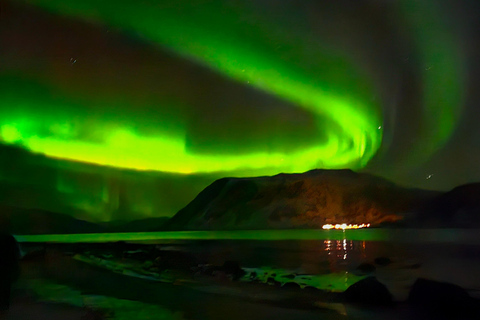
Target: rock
[138, 255]
[271, 281]
[208, 270]
[337, 307]
[311, 289]
[176, 260]
[97, 314]
[365, 268]
[383, 261]
[233, 268]
[289, 276]
[9, 267]
[221, 276]
[443, 300]
[147, 265]
[124, 246]
[291, 286]
[368, 291]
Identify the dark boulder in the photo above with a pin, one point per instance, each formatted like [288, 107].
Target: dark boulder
[443, 300]
[9, 267]
[368, 291]
[176, 260]
[233, 269]
[208, 270]
[291, 286]
[311, 289]
[138, 255]
[271, 281]
[383, 261]
[364, 269]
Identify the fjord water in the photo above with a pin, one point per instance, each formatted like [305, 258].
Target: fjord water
[451, 255]
[458, 236]
[444, 254]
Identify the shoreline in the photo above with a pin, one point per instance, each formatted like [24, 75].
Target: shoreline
[457, 236]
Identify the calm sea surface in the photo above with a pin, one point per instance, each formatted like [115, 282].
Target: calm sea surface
[445, 254]
[458, 236]
[333, 256]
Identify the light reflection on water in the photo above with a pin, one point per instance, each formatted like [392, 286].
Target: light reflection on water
[443, 254]
[339, 248]
[339, 252]
[300, 256]
[312, 251]
[459, 236]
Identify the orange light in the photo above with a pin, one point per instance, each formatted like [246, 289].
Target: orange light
[345, 226]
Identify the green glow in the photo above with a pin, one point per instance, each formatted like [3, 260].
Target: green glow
[51, 291]
[210, 34]
[333, 282]
[125, 149]
[393, 235]
[266, 235]
[10, 133]
[443, 73]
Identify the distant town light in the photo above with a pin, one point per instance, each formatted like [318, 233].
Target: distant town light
[345, 226]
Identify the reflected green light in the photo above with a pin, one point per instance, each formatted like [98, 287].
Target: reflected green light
[211, 35]
[415, 236]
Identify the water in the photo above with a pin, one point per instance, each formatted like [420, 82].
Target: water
[332, 257]
[459, 236]
[451, 255]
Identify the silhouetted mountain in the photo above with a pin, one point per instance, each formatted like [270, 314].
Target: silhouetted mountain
[30, 221]
[307, 200]
[23, 221]
[142, 225]
[458, 208]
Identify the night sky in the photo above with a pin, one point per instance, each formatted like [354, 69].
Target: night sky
[127, 109]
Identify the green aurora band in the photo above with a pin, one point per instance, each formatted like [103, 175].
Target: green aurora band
[212, 37]
[443, 75]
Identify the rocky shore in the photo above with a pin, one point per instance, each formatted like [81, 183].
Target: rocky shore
[375, 286]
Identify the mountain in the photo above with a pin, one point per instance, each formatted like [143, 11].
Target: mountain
[283, 201]
[32, 221]
[458, 208]
[21, 221]
[142, 225]
[307, 200]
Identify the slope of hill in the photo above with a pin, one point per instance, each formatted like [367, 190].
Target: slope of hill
[21, 221]
[306, 200]
[458, 208]
[31, 221]
[142, 225]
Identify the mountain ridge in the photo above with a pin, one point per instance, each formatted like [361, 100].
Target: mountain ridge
[283, 201]
[299, 200]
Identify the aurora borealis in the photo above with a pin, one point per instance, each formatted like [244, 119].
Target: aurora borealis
[128, 109]
[351, 140]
